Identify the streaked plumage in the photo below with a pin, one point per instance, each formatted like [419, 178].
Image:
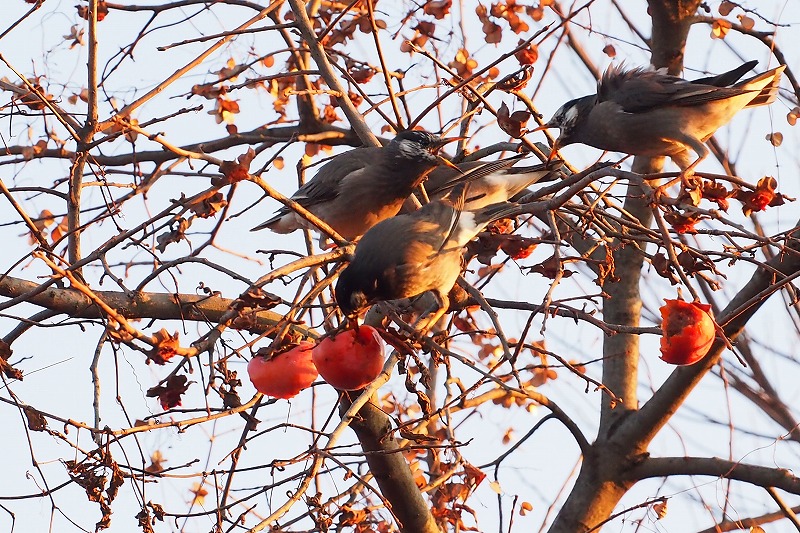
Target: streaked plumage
[490, 182]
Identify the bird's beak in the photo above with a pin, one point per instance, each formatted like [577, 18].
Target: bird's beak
[435, 147]
[544, 126]
[553, 151]
[446, 162]
[438, 146]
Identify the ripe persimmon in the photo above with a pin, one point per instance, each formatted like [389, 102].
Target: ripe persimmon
[285, 373]
[687, 331]
[350, 359]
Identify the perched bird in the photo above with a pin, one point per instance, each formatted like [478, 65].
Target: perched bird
[489, 183]
[409, 254]
[648, 113]
[359, 188]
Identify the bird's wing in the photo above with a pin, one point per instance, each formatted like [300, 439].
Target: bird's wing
[325, 185]
[474, 173]
[453, 206]
[639, 90]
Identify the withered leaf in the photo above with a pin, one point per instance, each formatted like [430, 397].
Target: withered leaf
[517, 80]
[717, 193]
[762, 197]
[512, 123]
[663, 267]
[208, 206]
[102, 11]
[238, 170]
[36, 420]
[258, 298]
[165, 346]
[169, 394]
[549, 268]
[175, 235]
[527, 55]
[683, 222]
[5, 367]
[437, 8]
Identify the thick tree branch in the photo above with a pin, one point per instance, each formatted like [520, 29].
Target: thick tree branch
[329, 75]
[642, 427]
[147, 305]
[389, 468]
[763, 476]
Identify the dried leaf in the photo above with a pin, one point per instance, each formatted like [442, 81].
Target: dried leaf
[165, 346]
[362, 75]
[717, 193]
[169, 394]
[5, 367]
[462, 63]
[527, 55]
[609, 50]
[36, 420]
[493, 33]
[549, 268]
[257, 298]
[439, 9]
[720, 29]
[156, 462]
[775, 138]
[513, 123]
[664, 267]
[791, 117]
[174, 235]
[198, 494]
[746, 22]
[102, 11]
[725, 8]
[660, 509]
[762, 197]
[536, 13]
[683, 222]
[516, 81]
[208, 206]
[235, 171]
[473, 475]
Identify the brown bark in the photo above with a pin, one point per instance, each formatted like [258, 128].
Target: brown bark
[149, 305]
[600, 484]
[390, 469]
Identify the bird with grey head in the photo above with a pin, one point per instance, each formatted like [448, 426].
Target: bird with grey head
[649, 113]
[357, 189]
[412, 253]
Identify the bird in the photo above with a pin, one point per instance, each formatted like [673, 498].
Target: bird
[650, 113]
[359, 188]
[489, 182]
[412, 253]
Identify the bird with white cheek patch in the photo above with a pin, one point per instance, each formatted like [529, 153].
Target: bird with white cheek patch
[649, 113]
[359, 188]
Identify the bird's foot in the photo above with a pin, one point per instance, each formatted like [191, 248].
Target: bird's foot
[654, 196]
[689, 180]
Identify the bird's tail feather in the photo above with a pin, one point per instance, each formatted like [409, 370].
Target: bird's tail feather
[769, 82]
[727, 79]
